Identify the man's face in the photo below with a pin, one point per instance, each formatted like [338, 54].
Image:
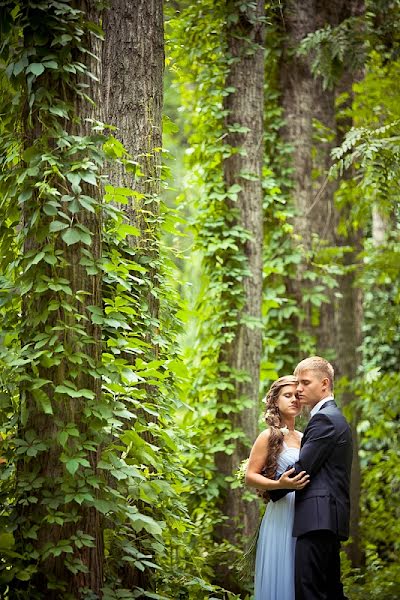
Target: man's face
[312, 387]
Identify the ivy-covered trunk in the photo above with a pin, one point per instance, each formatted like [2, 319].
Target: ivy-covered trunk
[240, 355]
[133, 68]
[312, 130]
[57, 528]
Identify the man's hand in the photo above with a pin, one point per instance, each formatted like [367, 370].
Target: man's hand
[293, 483]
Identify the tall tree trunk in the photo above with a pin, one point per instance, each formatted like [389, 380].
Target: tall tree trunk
[348, 339]
[76, 335]
[380, 225]
[307, 107]
[304, 100]
[348, 316]
[245, 106]
[133, 68]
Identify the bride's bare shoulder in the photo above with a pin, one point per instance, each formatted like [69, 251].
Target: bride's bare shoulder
[264, 435]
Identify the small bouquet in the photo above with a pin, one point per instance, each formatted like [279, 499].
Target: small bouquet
[240, 473]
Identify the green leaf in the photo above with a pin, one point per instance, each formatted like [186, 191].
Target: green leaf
[113, 147]
[85, 393]
[62, 437]
[124, 191]
[89, 177]
[140, 521]
[72, 465]
[50, 259]
[35, 260]
[43, 400]
[72, 236]
[35, 68]
[124, 230]
[51, 64]
[74, 178]
[103, 506]
[24, 196]
[24, 575]
[62, 389]
[234, 189]
[57, 226]
[86, 237]
[50, 209]
[73, 393]
[59, 112]
[20, 65]
[87, 202]
[6, 541]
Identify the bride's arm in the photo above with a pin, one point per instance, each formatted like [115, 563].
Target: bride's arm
[257, 460]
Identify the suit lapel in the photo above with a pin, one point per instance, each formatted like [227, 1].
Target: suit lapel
[329, 403]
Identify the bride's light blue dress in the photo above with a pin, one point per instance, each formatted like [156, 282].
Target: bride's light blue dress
[274, 572]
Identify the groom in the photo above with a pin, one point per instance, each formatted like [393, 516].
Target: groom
[322, 509]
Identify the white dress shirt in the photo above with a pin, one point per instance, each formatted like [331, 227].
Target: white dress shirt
[320, 405]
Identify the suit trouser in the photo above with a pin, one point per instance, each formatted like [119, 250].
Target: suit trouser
[317, 567]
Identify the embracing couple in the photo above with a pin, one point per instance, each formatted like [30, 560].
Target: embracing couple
[307, 477]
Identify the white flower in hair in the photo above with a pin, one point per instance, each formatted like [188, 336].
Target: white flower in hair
[284, 430]
[268, 414]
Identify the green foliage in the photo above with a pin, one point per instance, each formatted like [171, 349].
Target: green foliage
[335, 49]
[371, 151]
[200, 67]
[132, 430]
[102, 422]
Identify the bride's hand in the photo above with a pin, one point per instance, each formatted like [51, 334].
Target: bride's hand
[293, 483]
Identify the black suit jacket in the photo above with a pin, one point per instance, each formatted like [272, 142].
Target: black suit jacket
[326, 455]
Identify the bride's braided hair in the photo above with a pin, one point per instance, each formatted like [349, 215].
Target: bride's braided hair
[274, 420]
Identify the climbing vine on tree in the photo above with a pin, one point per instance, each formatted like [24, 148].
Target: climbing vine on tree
[72, 307]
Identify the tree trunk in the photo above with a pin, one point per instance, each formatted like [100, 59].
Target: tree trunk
[380, 225]
[71, 315]
[133, 68]
[337, 329]
[245, 104]
[348, 318]
[307, 107]
[348, 333]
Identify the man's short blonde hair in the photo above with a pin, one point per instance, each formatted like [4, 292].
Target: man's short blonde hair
[319, 365]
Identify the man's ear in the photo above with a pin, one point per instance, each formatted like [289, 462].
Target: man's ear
[325, 384]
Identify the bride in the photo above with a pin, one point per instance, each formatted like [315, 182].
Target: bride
[274, 450]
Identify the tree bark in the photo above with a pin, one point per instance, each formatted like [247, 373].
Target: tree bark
[245, 106]
[133, 68]
[337, 330]
[348, 317]
[348, 331]
[306, 107]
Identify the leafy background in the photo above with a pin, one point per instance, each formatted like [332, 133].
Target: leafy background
[141, 452]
